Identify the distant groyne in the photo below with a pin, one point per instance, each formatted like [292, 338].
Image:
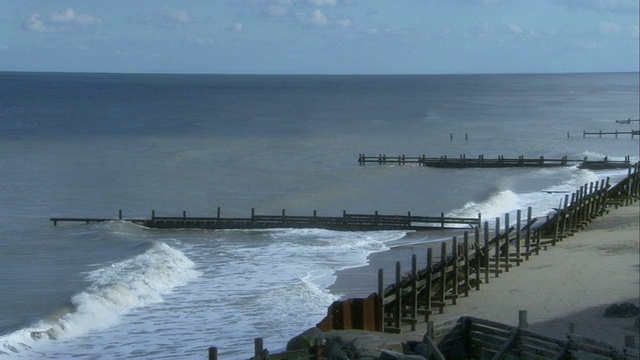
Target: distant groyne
[499, 162]
[346, 222]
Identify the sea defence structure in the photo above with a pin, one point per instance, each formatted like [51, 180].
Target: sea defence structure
[462, 266]
[615, 133]
[500, 162]
[346, 222]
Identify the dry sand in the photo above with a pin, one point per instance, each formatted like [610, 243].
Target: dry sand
[571, 282]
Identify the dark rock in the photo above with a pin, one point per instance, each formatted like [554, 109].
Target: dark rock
[624, 310]
[305, 340]
[333, 350]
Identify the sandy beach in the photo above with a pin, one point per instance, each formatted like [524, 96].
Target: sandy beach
[570, 285]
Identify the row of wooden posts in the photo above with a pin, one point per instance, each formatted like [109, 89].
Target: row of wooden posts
[501, 161]
[464, 265]
[616, 133]
[348, 221]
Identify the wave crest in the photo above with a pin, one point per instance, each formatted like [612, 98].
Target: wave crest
[115, 290]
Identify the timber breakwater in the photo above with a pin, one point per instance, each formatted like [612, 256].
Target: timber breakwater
[464, 264]
[499, 162]
[346, 222]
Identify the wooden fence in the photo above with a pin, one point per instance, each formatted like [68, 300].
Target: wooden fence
[500, 162]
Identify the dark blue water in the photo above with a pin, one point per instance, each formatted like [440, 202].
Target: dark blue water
[90, 144]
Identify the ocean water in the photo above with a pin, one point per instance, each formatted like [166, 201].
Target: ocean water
[91, 144]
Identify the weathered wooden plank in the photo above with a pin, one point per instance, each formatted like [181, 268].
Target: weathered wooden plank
[506, 347]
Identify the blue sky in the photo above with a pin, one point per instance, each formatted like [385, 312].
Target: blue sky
[319, 36]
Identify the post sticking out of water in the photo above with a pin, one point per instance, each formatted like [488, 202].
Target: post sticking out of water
[522, 319]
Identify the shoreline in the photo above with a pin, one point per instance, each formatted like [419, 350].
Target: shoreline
[568, 286]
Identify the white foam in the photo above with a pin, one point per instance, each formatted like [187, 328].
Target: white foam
[114, 291]
[494, 206]
[542, 202]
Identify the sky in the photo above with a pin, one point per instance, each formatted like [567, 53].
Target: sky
[319, 36]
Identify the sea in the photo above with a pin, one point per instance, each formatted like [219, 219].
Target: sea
[90, 145]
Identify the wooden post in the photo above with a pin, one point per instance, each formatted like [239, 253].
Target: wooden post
[565, 228]
[258, 347]
[153, 215]
[120, 214]
[218, 213]
[507, 245]
[397, 313]
[559, 215]
[467, 269]
[443, 275]
[497, 248]
[522, 319]
[284, 216]
[213, 353]
[486, 252]
[441, 219]
[477, 256]
[518, 234]
[427, 289]
[456, 281]
[414, 291]
[430, 329]
[527, 239]
[380, 314]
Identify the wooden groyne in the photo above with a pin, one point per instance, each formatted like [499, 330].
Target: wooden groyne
[627, 121]
[356, 222]
[633, 133]
[464, 266]
[469, 337]
[500, 162]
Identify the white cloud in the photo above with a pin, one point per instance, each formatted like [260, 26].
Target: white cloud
[345, 23]
[316, 18]
[67, 20]
[515, 29]
[607, 28]
[174, 18]
[276, 10]
[324, 2]
[200, 40]
[235, 27]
